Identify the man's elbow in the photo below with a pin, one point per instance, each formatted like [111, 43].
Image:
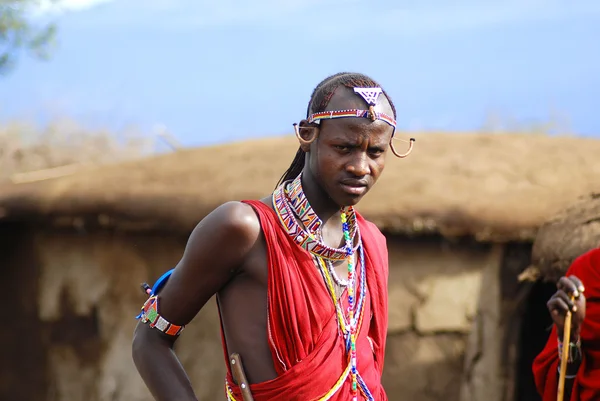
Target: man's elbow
[145, 338]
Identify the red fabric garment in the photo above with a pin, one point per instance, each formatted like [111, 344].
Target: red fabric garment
[308, 352]
[545, 367]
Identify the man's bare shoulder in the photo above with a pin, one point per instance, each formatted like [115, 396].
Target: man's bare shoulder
[238, 215]
[216, 250]
[234, 220]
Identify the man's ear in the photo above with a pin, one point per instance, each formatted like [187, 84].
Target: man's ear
[306, 133]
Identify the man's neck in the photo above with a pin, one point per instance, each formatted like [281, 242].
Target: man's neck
[321, 204]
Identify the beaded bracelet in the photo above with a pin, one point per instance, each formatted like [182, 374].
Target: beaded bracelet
[570, 377]
[149, 311]
[573, 348]
[150, 314]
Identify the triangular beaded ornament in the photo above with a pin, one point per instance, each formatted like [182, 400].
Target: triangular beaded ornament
[369, 94]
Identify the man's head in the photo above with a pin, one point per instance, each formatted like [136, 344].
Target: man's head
[345, 156]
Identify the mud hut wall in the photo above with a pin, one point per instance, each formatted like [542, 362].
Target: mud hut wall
[494, 363]
[435, 287]
[22, 356]
[88, 294]
[89, 285]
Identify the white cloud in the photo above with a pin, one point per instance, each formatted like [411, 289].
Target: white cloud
[185, 14]
[326, 18]
[211, 13]
[53, 7]
[331, 17]
[470, 15]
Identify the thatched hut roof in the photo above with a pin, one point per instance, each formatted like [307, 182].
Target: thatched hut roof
[493, 187]
[567, 235]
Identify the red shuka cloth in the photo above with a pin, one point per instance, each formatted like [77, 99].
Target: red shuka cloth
[308, 354]
[545, 366]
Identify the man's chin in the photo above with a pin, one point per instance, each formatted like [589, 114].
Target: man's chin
[346, 200]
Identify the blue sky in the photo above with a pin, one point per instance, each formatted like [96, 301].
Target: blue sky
[215, 71]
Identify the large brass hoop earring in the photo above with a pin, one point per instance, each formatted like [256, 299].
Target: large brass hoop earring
[302, 140]
[402, 155]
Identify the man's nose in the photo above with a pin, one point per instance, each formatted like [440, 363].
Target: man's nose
[359, 166]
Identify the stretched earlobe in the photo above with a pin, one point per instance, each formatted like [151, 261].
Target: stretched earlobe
[306, 135]
[402, 155]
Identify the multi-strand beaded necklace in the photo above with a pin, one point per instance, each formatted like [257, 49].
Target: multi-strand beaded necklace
[303, 225]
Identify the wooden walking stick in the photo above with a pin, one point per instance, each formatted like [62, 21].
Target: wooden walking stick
[564, 358]
[237, 370]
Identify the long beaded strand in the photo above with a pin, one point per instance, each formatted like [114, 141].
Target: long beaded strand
[351, 320]
[359, 311]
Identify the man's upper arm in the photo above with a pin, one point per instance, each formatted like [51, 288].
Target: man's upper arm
[215, 250]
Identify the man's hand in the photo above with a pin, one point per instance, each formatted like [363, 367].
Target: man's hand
[560, 303]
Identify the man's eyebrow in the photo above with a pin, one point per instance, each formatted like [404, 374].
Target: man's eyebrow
[377, 147]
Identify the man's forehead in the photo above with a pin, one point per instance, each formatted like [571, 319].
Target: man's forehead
[357, 130]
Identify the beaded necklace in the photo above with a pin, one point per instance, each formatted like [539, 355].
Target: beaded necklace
[289, 210]
[312, 222]
[299, 204]
[291, 205]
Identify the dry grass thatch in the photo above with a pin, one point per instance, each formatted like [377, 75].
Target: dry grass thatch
[567, 235]
[64, 144]
[493, 187]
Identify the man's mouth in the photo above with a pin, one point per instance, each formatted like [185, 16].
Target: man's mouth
[354, 187]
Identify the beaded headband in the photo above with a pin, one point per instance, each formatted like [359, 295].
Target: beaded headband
[370, 95]
[373, 115]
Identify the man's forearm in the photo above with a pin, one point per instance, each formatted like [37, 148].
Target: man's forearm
[159, 367]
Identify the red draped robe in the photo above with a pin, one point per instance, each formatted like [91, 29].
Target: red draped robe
[545, 367]
[307, 350]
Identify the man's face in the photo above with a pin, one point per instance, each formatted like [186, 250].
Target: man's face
[349, 154]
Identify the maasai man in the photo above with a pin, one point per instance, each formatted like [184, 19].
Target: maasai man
[582, 381]
[300, 276]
